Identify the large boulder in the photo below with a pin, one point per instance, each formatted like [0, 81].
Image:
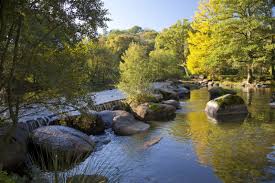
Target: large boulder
[59, 147]
[87, 179]
[174, 103]
[89, 123]
[227, 105]
[169, 94]
[13, 147]
[155, 112]
[183, 92]
[107, 118]
[125, 124]
[216, 92]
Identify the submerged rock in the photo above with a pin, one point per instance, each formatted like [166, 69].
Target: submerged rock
[216, 92]
[100, 141]
[226, 105]
[174, 103]
[125, 124]
[87, 179]
[152, 142]
[155, 112]
[13, 147]
[59, 147]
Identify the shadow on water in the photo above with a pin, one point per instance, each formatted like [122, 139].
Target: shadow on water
[193, 148]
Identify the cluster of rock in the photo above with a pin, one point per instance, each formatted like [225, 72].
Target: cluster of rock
[225, 105]
[68, 139]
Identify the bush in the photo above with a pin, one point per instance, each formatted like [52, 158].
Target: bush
[5, 178]
[135, 74]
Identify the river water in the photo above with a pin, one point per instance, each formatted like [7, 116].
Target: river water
[194, 149]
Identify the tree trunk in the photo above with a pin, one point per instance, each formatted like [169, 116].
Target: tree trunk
[249, 75]
[186, 71]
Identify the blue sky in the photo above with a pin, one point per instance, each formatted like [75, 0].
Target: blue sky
[154, 14]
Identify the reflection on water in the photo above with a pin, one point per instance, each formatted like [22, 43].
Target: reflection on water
[194, 149]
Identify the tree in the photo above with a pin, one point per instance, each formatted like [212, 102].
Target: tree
[164, 65]
[33, 36]
[230, 32]
[135, 73]
[119, 43]
[103, 65]
[136, 29]
[147, 38]
[175, 39]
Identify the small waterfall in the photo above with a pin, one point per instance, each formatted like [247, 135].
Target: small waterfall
[33, 124]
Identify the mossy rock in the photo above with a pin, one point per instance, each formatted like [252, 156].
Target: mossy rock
[226, 105]
[228, 100]
[90, 124]
[155, 112]
[216, 92]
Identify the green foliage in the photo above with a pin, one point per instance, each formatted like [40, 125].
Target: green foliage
[234, 34]
[5, 178]
[41, 56]
[135, 73]
[119, 40]
[103, 65]
[164, 65]
[228, 100]
[119, 43]
[175, 39]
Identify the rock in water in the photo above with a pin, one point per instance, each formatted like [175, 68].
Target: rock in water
[174, 103]
[107, 118]
[87, 179]
[226, 105]
[152, 142]
[216, 92]
[155, 112]
[59, 147]
[13, 147]
[89, 123]
[125, 124]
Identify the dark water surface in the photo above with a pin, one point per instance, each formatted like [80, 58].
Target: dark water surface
[194, 149]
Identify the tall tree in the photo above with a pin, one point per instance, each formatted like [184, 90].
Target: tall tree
[175, 39]
[32, 30]
[237, 32]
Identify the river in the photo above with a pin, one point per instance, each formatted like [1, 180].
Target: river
[193, 148]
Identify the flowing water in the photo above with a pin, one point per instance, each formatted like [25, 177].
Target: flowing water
[194, 148]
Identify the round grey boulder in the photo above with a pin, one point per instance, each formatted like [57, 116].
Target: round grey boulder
[13, 147]
[228, 105]
[59, 146]
[125, 124]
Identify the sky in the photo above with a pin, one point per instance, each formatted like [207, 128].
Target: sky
[153, 14]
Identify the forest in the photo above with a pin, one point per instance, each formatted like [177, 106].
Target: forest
[52, 50]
